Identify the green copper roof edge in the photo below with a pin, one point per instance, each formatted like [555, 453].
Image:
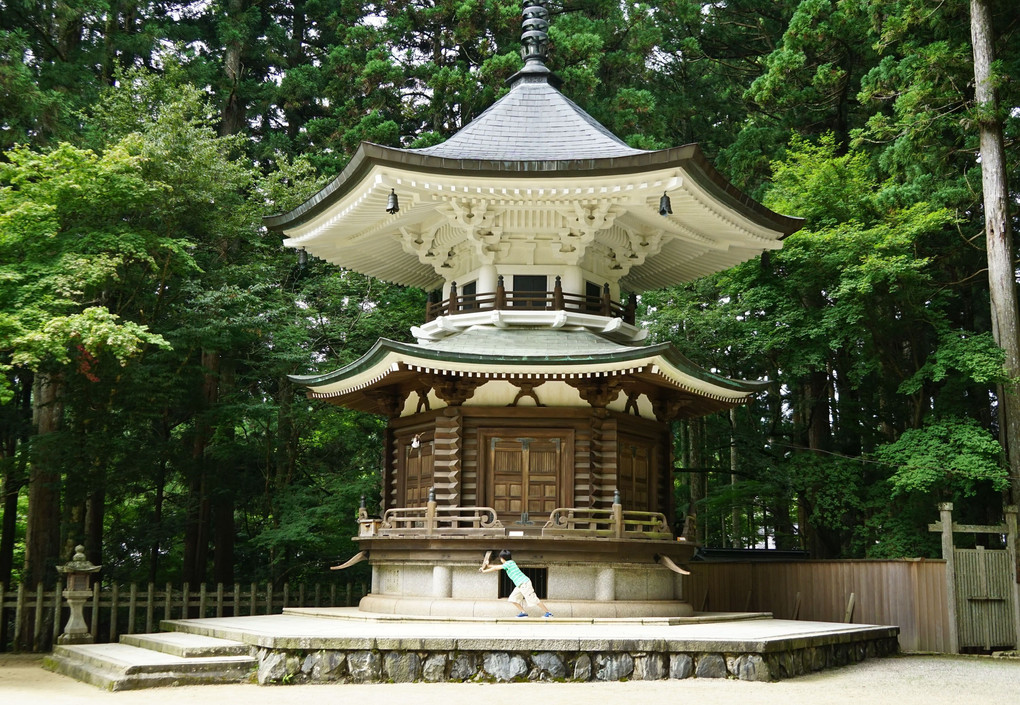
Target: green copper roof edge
[666, 350]
[689, 157]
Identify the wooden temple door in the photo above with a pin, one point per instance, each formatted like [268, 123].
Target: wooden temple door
[418, 473]
[635, 472]
[526, 474]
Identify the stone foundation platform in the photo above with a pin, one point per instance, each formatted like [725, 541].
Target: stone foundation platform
[342, 645]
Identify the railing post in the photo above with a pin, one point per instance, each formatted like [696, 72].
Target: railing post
[630, 312]
[557, 295]
[500, 293]
[452, 305]
[607, 303]
[617, 515]
[430, 513]
[430, 302]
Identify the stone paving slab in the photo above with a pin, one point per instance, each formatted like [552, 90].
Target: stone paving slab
[186, 645]
[353, 630]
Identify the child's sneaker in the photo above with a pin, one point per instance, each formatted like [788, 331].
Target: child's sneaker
[523, 614]
[548, 614]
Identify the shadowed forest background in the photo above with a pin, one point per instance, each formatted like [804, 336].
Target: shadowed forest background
[148, 321]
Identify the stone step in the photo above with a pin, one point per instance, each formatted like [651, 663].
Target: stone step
[186, 645]
[127, 667]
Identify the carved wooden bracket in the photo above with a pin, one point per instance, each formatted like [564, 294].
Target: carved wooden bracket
[452, 389]
[527, 389]
[388, 399]
[598, 392]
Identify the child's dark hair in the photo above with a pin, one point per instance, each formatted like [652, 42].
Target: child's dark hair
[504, 554]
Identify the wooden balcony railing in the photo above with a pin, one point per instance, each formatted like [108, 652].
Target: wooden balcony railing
[607, 523]
[434, 521]
[555, 300]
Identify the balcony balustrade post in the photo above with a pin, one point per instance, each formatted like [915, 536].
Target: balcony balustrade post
[557, 295]
[607, 303]
[500, 293]
[452, 304]
[631, 310]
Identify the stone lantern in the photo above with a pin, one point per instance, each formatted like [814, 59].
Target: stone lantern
[77, 592]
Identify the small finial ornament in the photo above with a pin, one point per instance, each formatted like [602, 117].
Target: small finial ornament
[535, 36]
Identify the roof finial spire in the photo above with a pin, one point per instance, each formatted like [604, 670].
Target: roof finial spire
[535, 36]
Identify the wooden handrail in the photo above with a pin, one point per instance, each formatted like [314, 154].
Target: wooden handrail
[555, 300]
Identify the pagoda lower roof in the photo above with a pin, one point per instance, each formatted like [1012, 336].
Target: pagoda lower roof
[523, 354]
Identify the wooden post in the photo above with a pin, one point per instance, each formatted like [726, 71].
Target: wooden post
[96, 604]
[168, 601]
[254, 593]
[132, 608]
[607, 303]
[1011, 538]
[150, 607]
[500, 293]
[114, 595]
[269, 597]
[37, 628]
[57, 603]
[557, 295]
[219, 599]
[946, 517]
[630, 313]
[19, 612]
[451, 308]
[202, 600]
[185, 599]
[849, 614]
[617, 515]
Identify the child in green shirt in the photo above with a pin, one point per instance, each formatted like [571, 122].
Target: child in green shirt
[523, 591]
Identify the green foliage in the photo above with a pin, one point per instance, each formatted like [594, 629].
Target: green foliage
[142, 144]
[943, 458]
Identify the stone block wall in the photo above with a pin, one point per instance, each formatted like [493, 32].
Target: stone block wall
[375, 666]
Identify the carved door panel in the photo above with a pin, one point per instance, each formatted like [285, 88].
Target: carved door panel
[543, 462]
[508, 476]
[418, 463]
[636, 479]
[527, 474]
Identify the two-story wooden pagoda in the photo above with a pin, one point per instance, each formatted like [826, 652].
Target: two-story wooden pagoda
[528, 415]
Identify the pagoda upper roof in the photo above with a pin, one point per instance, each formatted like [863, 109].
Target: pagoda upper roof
[533, 122]
[534, 170]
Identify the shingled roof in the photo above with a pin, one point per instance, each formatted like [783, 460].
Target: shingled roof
[534, 121]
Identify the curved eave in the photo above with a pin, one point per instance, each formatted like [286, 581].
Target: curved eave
[663, 361]
[688, 157]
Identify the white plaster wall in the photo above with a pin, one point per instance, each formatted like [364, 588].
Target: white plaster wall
[644, 405]
[501, 393]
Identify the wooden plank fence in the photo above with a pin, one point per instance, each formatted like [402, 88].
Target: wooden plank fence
[32, 619]
[909, 593]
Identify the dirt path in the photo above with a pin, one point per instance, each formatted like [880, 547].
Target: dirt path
[905, 680]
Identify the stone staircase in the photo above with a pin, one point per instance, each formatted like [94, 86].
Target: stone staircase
[154, 660]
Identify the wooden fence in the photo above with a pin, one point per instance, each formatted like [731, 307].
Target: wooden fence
[910, 594]
[31, 620]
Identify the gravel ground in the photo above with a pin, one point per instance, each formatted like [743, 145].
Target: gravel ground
[901, 680]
